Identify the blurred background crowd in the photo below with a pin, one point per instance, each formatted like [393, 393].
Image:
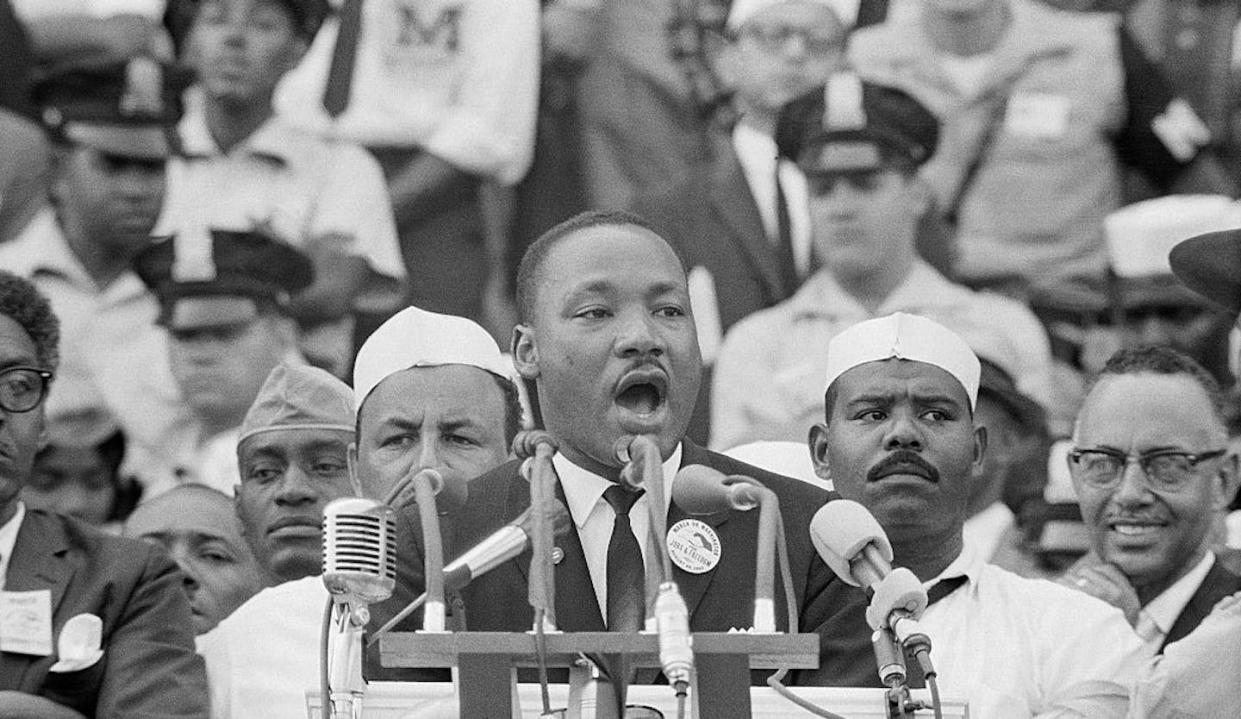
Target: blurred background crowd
[342, 160]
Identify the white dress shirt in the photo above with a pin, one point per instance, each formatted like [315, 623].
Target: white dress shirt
[8, 540]
[594, 517]
[1017, 647]
[756, 151]
[1157, 617]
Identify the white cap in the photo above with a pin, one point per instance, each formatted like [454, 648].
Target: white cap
[908, 337]
[742, 10]
[1140, 236]
[416, 338]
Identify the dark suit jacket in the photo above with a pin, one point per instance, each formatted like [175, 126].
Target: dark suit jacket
[712, 221]
[1217, 584]
[149, 667]
[718, 600]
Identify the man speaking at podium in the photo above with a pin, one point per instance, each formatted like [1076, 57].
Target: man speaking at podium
[607, 338]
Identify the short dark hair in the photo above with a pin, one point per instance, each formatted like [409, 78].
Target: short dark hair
[529, 272]
[1163, 360]
[22, 302]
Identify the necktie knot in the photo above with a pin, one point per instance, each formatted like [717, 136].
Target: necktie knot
[621, 499]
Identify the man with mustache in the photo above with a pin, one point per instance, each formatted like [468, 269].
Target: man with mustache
[607, 340]
[431, 391]
[899, 437]
[1152, 473]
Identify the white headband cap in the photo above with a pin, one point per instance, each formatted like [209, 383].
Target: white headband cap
[742, 10]
[417, 338]
[908, 337]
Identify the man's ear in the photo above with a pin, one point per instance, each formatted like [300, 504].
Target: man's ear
[818, 451]
[525, 352]
[1229, 479]
[351, 463]
[721, 57]
[980, 447]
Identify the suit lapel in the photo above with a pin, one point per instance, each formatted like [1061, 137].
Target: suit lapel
[577, 608]
[694, 586]
[38, 562]
[734, 203]
[1217, 584]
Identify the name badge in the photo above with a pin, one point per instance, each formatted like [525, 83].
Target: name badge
[26, 622]
[694, 546]
[1037, 115]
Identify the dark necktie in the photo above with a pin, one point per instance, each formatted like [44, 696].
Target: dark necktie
[340, 72]
[784, 240]
[626, 573]
[941, 589]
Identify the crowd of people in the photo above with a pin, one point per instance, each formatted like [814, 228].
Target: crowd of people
[932, 256]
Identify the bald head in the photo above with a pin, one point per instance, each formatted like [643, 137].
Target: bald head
[199, 528]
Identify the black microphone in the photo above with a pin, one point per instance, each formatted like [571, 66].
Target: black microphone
[507, 542]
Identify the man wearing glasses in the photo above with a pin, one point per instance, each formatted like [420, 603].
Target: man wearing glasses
[1152, 475]
[61, 580]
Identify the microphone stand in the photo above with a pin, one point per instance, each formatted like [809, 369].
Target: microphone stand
[537, 448]
[427, 483]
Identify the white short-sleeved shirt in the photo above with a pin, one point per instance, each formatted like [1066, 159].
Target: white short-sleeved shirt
[1017, 647]
[299, 186]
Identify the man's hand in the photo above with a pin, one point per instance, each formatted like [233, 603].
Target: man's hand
[1098, 578]
[18, 705]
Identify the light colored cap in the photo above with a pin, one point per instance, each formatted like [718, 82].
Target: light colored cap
[908, 337]
[415, 337]
[742, 10]
[297, 396]
[1140, 235]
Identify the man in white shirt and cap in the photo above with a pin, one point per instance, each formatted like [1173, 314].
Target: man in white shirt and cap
[293, 458]
[899, 437]
[431, 391]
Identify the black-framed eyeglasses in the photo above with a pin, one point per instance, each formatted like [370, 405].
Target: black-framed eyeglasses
[775, 38]
[23, 388]
[1165, 470]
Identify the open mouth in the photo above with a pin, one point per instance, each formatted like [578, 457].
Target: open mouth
[642, 393]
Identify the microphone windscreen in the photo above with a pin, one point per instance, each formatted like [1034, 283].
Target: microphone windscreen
[840, 530]
[702, 490]
[359, 550]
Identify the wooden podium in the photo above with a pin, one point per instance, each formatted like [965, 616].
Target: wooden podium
[487, 662]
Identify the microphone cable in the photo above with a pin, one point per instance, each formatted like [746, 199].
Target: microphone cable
[776, 680]
[325, 686]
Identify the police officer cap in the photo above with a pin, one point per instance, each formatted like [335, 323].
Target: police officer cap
[1210, 264]
[128, 109]
[220, 277]
[853, 126]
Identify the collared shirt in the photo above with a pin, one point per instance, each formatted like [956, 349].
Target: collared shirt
[984, 530]
[456, 79]
[1162, 611]
[303, 188]
[756, 151]
[106, 336]
[769, 377]
[594, 517]
[1017, 647]
[8, 539]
